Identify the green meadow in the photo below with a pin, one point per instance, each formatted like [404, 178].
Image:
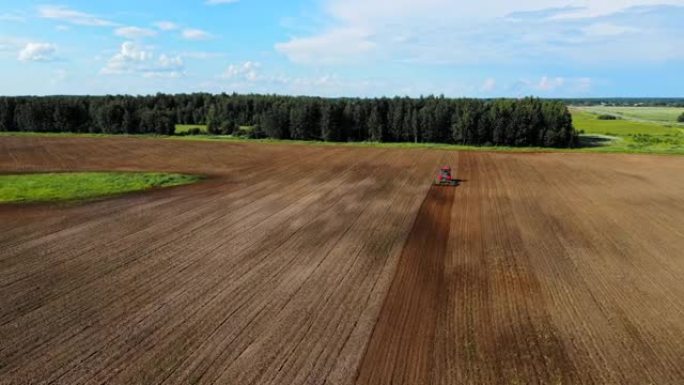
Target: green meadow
[185, 128]
[634, 134]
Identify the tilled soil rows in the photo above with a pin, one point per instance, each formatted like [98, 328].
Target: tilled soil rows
[297, 264]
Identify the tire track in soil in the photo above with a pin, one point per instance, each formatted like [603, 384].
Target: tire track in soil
[400, 350]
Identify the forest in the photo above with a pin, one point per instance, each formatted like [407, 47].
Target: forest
[500, 122]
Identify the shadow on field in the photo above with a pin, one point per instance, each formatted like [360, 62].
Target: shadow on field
[456, 181]
[588, 141]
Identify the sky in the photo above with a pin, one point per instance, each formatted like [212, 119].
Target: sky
[483, 48]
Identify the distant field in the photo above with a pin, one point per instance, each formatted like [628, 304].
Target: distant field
[656, 114]
[183, 128]
[590, 124]
[629, 134]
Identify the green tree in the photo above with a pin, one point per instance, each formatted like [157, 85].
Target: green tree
[275, 123]
[331, 118]
[376, 125]
[213, 124]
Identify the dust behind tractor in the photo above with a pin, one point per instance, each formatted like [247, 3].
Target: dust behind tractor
[444, 177]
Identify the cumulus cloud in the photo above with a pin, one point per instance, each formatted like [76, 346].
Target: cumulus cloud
[136, 60]
[195, 34]
[68, 15]
[38, 52]
[134, 32]
[246, 71]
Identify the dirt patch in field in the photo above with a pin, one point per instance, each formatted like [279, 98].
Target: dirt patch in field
[328, 265]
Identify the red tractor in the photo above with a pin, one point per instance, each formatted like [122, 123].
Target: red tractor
[444, 177]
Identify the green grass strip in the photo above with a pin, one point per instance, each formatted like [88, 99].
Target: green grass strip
[49, 187]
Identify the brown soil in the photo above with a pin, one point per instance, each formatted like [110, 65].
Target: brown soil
[312, 265]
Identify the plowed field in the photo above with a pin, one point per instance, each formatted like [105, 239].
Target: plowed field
[309, 265]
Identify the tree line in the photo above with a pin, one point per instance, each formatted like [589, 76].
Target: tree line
[501, 122]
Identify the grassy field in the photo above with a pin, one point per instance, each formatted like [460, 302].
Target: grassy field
[184, 128]
[590, 124]
[628, 134]
[48, 187]
[651, 114]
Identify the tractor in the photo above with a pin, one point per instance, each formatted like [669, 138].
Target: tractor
[444, 177]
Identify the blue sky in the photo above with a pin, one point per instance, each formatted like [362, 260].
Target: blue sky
[484, 48]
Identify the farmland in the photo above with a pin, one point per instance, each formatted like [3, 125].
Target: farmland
[294, 264]
[632, 132]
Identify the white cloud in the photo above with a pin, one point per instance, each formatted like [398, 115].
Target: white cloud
[195, 34]
[246, 71]
[166, 66]
[68, 15]
[591, 9]
[166, 25]
[485, 31]
[38, 52]
[218, 2]
[136, 60]
[134, 32]
[333, 46]
[370, 11]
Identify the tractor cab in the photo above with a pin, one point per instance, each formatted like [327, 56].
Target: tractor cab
[444, 177]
